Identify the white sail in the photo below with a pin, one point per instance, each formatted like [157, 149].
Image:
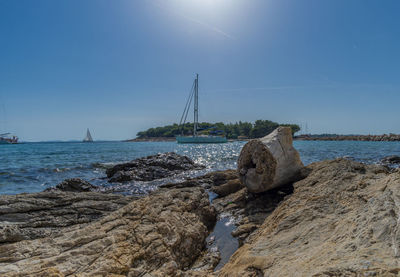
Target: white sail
[88, 137]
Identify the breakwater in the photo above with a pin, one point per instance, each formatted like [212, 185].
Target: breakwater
[384, 137]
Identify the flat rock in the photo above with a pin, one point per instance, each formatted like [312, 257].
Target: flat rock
[151, 168]
[341, 220]
[159, 235]
[46, 214]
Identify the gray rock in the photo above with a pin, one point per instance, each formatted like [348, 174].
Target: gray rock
[391, 160]
[49, 213]
[151, 168]
[74, 185]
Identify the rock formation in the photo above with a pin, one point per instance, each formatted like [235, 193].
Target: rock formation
[342, 220]
[269, 162]
[161, 235]
[151, 168]
[391, 160]
[74, 185]
[46, 214]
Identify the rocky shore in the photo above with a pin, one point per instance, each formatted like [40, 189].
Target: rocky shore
[384, 137]
[341, 218]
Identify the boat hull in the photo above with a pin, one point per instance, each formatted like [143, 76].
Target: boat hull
[210, 139]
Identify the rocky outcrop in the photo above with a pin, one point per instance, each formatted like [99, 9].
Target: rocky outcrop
[161, 235]
[151, 168]
[74, 185]
[391, 160]
[49, 213]
[342, 220]
[248, 210]
[269, 162]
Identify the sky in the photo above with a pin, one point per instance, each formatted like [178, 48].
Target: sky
[119, 67]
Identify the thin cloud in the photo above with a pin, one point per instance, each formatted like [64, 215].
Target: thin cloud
[287, 88]
[201, 23]
[262, 88]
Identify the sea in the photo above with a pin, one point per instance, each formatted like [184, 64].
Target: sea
[33, 167]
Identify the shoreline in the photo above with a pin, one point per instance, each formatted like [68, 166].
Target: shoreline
[152, 139]
[214, 212]
[164, 139]
[384, 137]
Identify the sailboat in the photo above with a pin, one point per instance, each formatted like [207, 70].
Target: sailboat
[196, 137]
[88, 137]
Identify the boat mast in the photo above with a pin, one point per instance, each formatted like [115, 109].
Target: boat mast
[196, 105]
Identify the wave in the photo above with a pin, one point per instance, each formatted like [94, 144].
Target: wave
[103, 165]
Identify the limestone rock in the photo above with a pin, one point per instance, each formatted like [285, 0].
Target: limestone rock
[229, 187]
[269, 162]
[342, 220]
[158, 235]
[151, 168]
[35, 215]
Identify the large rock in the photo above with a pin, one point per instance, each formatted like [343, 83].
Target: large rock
[391, 160]
[159, 235]
[151, 168]
[49, 213]
[341, 220]
[269, 162]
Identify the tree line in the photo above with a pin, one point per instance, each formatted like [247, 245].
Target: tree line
[257, 129]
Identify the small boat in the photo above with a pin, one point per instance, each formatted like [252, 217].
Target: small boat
[196, 137]
[7, 138]
[88, 137]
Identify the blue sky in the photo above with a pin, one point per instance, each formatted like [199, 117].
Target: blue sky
[119, 67]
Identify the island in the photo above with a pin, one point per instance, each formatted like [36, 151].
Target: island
[238, 130]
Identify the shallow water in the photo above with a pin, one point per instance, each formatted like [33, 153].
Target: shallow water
[32, 167]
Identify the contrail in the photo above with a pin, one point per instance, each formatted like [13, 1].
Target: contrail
[212, 28]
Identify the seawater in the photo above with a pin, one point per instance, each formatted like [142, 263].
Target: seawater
[33, 167]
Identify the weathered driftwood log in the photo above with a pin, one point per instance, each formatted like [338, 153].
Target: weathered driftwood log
[269, 162]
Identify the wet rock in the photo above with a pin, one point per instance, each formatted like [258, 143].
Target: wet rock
[159, 235]
[247, 209]
[46, 214]
[342, 220]
[250, 209]
[391, 160]
[74, 185]
[151, 168]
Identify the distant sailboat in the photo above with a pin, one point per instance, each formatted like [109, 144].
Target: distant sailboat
[88, 137]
